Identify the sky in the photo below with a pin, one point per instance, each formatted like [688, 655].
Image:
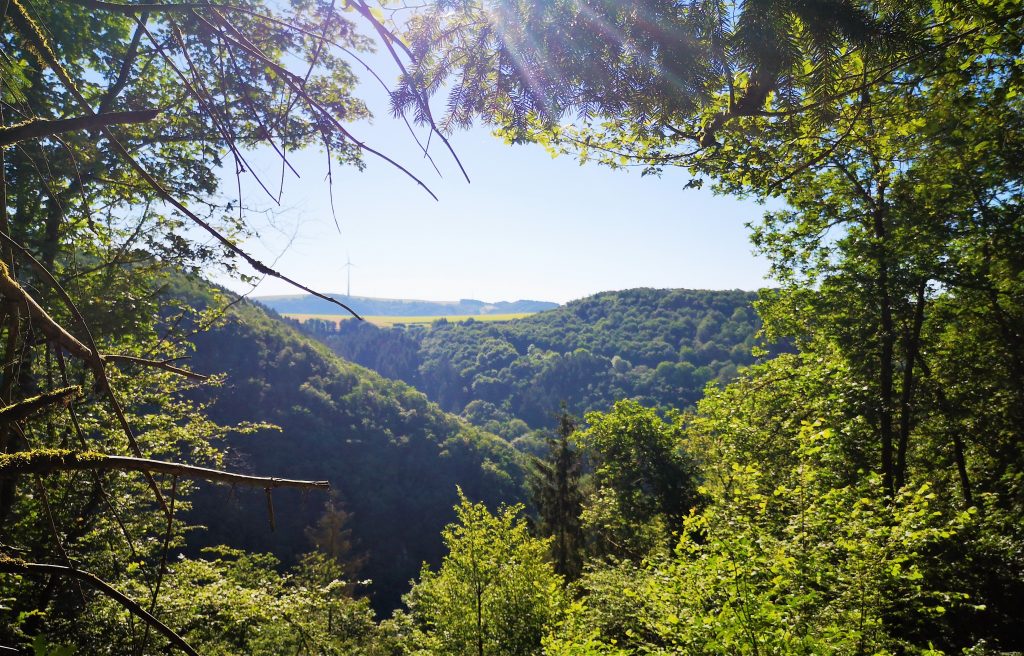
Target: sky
[527, 226]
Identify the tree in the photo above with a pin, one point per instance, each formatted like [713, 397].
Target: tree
[658, 80]
[333, 539]
[754, 424]
[716, 87]
[646, 484]
[897, 253]
[787, 566]
[495, 592]
[887, 193]
[555, 488]
[115, 120]
[231, 602]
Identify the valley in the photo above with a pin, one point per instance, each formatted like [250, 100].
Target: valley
[395, 448]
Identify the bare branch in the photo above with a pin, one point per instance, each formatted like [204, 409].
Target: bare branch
[159, 364]
[13, 291]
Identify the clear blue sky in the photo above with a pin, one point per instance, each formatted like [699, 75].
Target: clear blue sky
[527, 226]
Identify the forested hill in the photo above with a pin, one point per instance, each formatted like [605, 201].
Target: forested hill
[660, 346]
[393, 458]
[306, 304]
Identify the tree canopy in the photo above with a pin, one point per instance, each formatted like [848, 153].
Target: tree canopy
[118, 120]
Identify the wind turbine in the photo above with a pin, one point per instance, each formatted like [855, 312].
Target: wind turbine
[348, 270]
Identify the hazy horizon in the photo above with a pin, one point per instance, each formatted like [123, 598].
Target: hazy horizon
[488, 300]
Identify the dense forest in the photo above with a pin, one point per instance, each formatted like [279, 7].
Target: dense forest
[393, 459]
[860, 493]
[660, 347]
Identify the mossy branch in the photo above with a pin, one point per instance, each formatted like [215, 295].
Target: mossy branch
[12, 290]
[28, 407]
[43, 461]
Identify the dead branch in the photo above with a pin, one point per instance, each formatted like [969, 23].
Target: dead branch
[159, 364]
[35, 128]
[57, 398]
[51, 460]
[13, 566]
[13, 291]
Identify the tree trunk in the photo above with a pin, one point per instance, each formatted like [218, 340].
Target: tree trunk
[913, 344]
[886, 346]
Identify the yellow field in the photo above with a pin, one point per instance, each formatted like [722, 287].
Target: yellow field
[386, 322]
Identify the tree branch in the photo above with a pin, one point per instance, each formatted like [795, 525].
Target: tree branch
[13, 291]
[35, 128]
[13, 566]
[126, 67]
[159, 364]
[129, 9]
[28, 29]
[51, 460]
[26, 407]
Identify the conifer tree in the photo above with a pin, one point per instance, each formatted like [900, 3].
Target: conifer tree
[555, 489]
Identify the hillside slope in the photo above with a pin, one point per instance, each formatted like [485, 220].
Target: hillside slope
[393, 458]
[659, 346]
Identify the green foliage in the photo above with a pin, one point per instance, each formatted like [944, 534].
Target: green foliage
[650, 79]
[554, 484]
[105, 523]
[232, 602]
[89, 235]
[769, 568]
[891, 131]
[495, 592]
[896, 252]
[645, 482]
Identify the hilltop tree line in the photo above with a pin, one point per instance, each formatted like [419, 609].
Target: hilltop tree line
[660, 347]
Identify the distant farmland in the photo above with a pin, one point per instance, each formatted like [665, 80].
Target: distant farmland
[387, 322]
